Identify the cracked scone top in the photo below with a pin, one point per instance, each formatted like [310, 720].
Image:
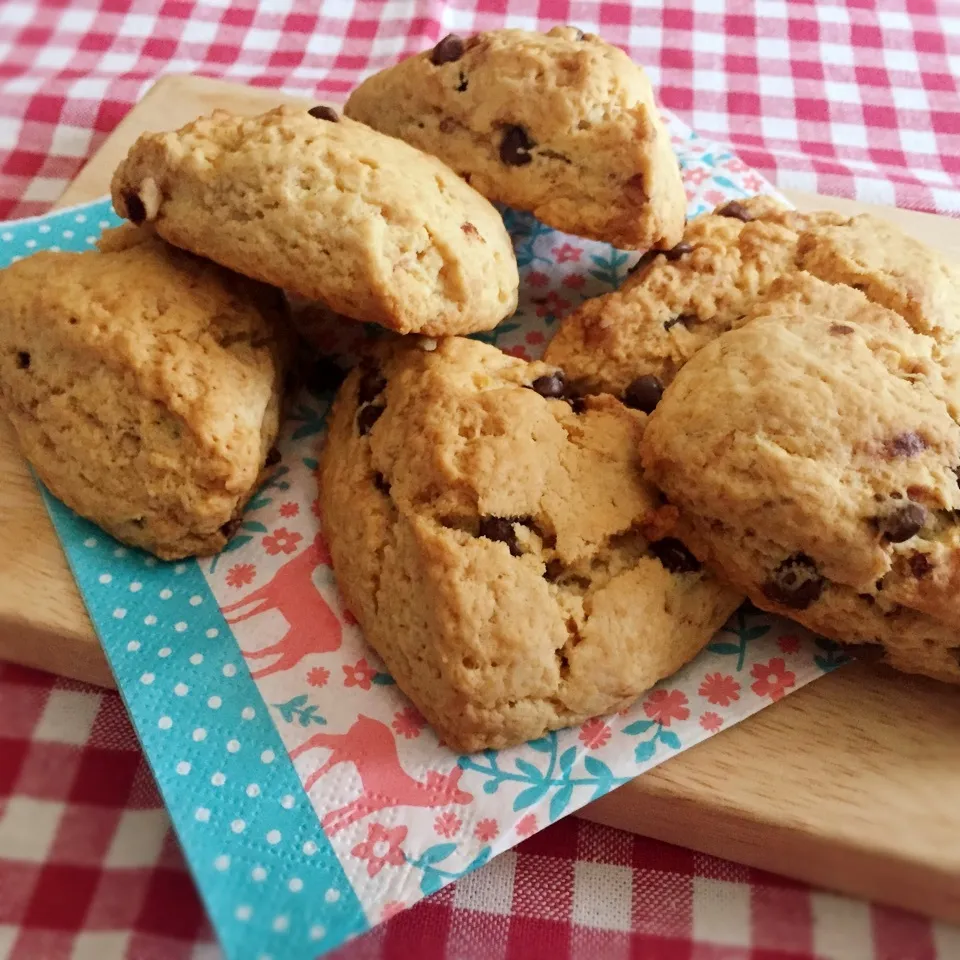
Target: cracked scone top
[493, 544]
[675, 302]
[561, 124]
[330, 210]
[814, 455]
[143, 385]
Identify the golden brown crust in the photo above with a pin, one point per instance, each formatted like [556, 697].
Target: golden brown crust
[144, 386]
[489, 541]
[562, 124]
[330, 211]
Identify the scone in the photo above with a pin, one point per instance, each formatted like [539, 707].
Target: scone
[674, 303]
[561, 124]
[330, 210]
[144, 386]
[814, 454]
[500, 548]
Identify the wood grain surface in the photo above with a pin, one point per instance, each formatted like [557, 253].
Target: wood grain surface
[852, 783]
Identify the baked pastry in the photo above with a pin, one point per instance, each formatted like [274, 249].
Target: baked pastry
[499, 545]
[813, 454]
[330, 210]
[144, 386]
[676, 301]
[561, 124]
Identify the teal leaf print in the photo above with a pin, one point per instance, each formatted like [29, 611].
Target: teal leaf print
[434, 877]
[530, 796]
[669, 739]
[560, 801]
[645, 750]
[298, 709]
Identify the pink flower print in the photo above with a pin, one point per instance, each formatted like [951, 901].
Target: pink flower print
[447, 824]
[696, 175]
[315, 509]
[736, 165]
[773, 679]
[281, 540]
[664, 706]
[789, 643]
[752, 182]
[534, 338]
[720, 689]
[552, 303]
[714, 197]
[526, 825]
[574, 281]
[381, 848]
[537, 279]
[391, 909]
[567, 252]
[318, 677]
[518, 351]
[594, 733]
[408, 723]
[289, 509]
[240, 574]
[486, 830]
[359, 674]
[711, 721]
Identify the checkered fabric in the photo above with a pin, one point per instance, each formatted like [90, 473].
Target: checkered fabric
[846, 97]
[850, 98]
[90, 870]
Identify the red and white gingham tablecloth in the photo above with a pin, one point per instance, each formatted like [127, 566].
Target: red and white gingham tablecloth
[857, 98]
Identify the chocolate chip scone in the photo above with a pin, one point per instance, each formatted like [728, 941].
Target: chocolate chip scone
[814, 455]
[330, 210]
[561, 124]
[675, 302]
[495, 544]
[144, 386]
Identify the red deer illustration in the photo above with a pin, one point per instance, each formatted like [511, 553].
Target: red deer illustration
[371, 748]
[312, 627]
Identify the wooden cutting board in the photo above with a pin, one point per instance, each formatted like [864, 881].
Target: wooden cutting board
[853, 783]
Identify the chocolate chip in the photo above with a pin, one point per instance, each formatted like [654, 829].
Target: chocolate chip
[920, 565]
[273, 457]
[462, 85]
[500, 528]
[902, 523]
[735, 210]
[448, 50]
[550, 385]
[796, 583]
[674, 556]
[371, 385]
[908, 444]
[515, 147]
[367, 417]
[637, 186]
[865, 652]
[324, 375]
[840, 329]
[230, 528]
[380, 482]
[675, 253]
[579, 35]
[23, 360]
[577, 402]
[644, 261]
[323, 112]
[554, 570]
[136, 211]
[644, 393]
[687, 319]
